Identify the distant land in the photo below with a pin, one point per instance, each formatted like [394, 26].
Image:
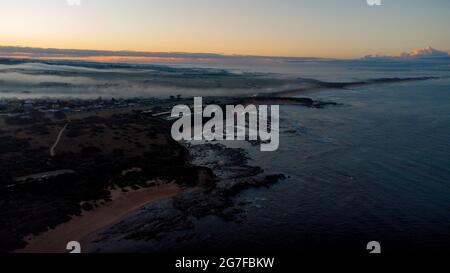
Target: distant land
[106, 55]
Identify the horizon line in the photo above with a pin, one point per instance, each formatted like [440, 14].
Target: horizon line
[138, 52]
[48, 53]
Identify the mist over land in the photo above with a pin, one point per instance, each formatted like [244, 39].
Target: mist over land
[35, 72]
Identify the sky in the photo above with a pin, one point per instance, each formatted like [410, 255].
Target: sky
[296, 28]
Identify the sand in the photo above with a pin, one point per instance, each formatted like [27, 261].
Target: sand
[84, 228]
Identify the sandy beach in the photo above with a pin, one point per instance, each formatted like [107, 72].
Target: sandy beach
[84, 228]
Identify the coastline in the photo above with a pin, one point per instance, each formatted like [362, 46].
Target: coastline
[93, 228]
[174, 218]
[148, 154]
[85, 227]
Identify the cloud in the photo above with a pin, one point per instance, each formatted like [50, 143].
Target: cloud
[133, 56]
[422, 53]
[31, 52]
[427, 52]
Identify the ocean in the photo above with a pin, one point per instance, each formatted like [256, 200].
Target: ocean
[375, 168]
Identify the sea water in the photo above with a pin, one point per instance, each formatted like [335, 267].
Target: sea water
[375, 168]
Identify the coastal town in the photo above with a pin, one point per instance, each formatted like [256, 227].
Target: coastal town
[19, 107]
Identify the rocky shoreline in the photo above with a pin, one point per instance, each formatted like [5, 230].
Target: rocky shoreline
[159, 220]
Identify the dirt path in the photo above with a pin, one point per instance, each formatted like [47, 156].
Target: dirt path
[84, 228]
[52, 149]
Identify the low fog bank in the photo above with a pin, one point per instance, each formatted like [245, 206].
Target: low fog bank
[31, 78]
